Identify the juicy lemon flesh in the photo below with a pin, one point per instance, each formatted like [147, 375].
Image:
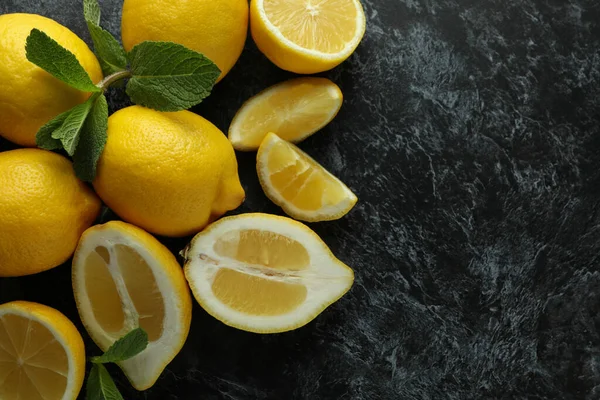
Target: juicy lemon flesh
[259, 287]
[135, 279]
[298, 178]
[257, 296]
[301, 107]
[322, 25]
[33, 364]
[267, 249]
[102, 292]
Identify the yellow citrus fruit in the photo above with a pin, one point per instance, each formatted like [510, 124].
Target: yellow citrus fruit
[123, 278]
[298, 184]
[307, 36]
[263, 273]
[215, 28]
[169, 173]
[42, 356]
[29, 96]
[294, 109]
[44, 210]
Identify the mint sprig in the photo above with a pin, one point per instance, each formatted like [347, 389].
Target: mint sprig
[47, 54]
[163, 76]
[123, 349]
[169, 77]
[92, 143]
[110, 53]
[100, 385]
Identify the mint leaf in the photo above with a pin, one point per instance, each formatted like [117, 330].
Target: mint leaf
[110, 53]
[91, 11]
[125, 348]
[44, 139]
[91, 141]
[70, 130]
[169, 77]
[100, 385]
[47, 54]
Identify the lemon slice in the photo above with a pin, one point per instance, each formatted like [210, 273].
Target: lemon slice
[42, 356]
[124, 278]
[294, 109]
[263, 273]
[307, 36]
[298, 184]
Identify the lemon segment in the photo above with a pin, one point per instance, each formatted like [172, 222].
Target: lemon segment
[42, 356]
[123, 278]
[298, 184]
[263, 273]
[307, 36]
[294, 109]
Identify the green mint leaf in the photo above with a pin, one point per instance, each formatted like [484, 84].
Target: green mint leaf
[44, 139]
[100, 385]
[91, 141]
[110, 53]
[125, 348]
[47, 54]
[91, 11]
[169, 77]
[70, 130]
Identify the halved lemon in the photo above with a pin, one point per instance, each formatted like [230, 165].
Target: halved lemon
[263, 273]
[123, 278]
[42, 356]
[307, 36]
[294, 109]
[298, 184]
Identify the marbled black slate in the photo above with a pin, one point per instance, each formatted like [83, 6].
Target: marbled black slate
[471, 133]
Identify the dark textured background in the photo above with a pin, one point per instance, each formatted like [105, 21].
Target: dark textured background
[470, 132]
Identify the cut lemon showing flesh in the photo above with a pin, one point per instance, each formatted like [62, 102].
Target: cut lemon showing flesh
[123, 278]
[307, 36]
[263, 273]
[42, 356]
[294, 109]
[298, 184]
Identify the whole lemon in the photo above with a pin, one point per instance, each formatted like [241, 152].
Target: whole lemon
[44, 210]
[216, 28]
[169, 173]
[29, 96]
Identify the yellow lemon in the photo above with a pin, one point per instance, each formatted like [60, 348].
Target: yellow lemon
[293, 109]
[124, 278]
[307, 36]
[29, 96]
[44, 210]
[216, 28]
[298, 184]
[169, 173]
[263, 273]
[42, 356]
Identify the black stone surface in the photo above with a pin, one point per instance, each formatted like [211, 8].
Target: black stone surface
[471, 134]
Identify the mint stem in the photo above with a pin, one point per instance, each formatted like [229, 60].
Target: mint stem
[109, 80]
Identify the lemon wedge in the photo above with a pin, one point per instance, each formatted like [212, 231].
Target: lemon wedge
[307, 36]
[293, 109]
[298, 184]
[123, 278]
[42, 356]
[263, 273]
